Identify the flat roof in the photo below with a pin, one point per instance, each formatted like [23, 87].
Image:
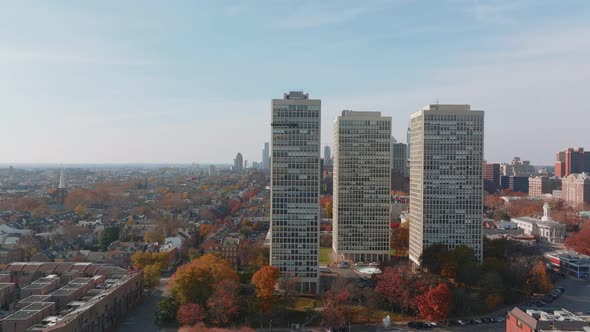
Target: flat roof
[37, 285]
[29, 311]
[36, 298]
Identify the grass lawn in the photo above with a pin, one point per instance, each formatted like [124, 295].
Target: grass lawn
[303, 303]
[325, 256]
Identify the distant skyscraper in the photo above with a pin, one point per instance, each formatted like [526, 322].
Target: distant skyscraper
[212, 170]
[266, 156]
[446, 194]
[327, 155]
[295, 189]
[399, 157]
[571, 161]
[362, 179]
[238, 163]
[491, 177]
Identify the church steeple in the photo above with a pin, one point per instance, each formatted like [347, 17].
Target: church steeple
[546, 211]
[62, 190]
[62, 181]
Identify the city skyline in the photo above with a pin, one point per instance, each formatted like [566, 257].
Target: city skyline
[102, 94]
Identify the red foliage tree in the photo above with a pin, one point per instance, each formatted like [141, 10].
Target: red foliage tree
[580, 241]
[223, 303]
[335, 309]
[435, 303]
[396, 287]
[189, 314]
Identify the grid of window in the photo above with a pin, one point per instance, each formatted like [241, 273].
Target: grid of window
[295, 184]
[446, 187]
[362, 179]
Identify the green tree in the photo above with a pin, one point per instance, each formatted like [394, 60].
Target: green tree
[434, 256]
[108, 236]
[167, 309]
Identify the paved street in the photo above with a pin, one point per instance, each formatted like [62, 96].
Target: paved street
[142, 318]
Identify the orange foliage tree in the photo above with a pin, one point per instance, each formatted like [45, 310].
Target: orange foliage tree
[525, 207]
[196, 281]
[539, 280]
[265, 280]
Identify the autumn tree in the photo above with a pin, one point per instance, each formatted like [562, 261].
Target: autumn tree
[190, 314]
[539, 280]
[580, 241]
[265, 280]
[196, 281]
[335, 308]
[155, 235]
[139, 260]
[525, 207]
[151, 275]
[434, 304]
[400, 239]
[400, 287]
[223, 304]
[493, 202]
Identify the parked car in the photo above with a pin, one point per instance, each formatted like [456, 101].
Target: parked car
[343, 265]
[500, 319]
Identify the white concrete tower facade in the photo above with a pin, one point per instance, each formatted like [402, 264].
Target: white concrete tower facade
[446, 182]
[362, 181]
[295, 188]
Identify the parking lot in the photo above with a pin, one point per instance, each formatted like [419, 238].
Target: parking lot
[576, 297]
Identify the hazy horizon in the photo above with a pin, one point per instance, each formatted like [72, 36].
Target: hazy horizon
[143, 82]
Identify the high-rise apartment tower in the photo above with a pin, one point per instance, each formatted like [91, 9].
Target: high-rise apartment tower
[362, 179]
[446, 184]
[295, 188]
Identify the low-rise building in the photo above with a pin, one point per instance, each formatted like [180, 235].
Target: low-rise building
[7, 295]
[539, 320]
[28, 316]
[229, 250]
[571, 263]
[545, 228]
[96, 300]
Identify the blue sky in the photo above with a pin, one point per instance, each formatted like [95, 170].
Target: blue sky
[184, 81]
